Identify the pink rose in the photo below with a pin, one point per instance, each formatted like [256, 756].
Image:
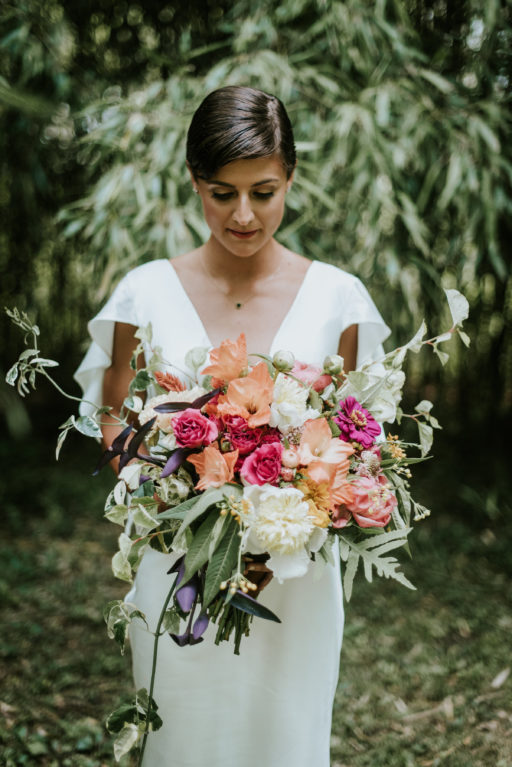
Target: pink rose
[264, 465]
[193, 429]
[373, 501]
[311, 376]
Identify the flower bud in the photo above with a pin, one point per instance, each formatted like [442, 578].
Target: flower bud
[333, 365]
[290, 459]
[283, 361]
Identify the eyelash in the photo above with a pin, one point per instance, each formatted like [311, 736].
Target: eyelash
[225, 196]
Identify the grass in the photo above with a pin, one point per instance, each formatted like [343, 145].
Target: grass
[423, 680]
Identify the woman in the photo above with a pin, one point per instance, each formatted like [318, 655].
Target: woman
[271, 705]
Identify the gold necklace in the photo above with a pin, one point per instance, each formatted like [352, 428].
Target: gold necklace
[244, 301]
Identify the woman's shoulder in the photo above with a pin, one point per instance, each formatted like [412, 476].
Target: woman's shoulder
[147, 271]
[336, 277]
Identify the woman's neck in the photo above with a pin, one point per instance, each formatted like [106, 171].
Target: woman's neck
[224, 266]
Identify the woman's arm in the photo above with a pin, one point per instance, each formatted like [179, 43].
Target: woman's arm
[117, 380]
[348, 347]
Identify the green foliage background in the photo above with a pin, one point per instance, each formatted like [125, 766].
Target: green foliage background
[402, 114]
[402, 119]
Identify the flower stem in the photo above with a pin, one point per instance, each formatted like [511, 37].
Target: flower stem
[157, 636]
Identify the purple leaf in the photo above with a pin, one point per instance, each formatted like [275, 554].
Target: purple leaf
[116, 448]
[200, 626]
[185, 639]
[139, 437]
[174, 462]
[181, 639]
[178, 567]
[143, 478]
[197, 404]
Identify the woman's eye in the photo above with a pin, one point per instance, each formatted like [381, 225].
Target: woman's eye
[263, 195]
[222, 195]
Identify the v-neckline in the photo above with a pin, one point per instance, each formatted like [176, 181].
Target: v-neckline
[281, 326]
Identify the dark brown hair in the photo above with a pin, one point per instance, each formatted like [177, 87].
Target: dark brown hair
[237, 123]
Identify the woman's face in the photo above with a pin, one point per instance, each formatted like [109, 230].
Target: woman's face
[244, 203]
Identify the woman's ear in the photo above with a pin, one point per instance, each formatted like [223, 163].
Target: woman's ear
[193, 179]
[290, 180]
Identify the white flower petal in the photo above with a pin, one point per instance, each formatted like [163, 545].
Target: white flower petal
[286, 566]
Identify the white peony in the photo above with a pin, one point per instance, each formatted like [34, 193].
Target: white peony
[289, 409]
[278, 522]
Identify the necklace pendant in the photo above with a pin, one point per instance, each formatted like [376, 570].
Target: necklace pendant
[238, 305]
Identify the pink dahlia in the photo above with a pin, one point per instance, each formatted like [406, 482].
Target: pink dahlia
[356, 423]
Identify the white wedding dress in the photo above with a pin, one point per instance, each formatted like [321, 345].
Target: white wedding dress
[271, 705]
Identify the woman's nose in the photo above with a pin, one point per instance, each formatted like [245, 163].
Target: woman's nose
[243, 214]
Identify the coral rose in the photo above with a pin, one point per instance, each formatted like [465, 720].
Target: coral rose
[373, 501]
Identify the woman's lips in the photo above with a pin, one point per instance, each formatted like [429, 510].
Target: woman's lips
[243, 235]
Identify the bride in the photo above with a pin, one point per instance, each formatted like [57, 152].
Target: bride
[271, 705]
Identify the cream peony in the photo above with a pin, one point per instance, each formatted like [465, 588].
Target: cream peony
[289, 409]
[278, 522]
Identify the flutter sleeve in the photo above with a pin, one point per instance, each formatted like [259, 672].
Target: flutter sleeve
[120, 307]
[372, 330]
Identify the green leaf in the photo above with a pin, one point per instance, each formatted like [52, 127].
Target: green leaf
[117, 514]
[222, 562]
[426, 435]
[12, 374]
[60, 442]
[459, 306]
[126, 713]
[171, 621]
[179, 511]
[141, 382]
[371, 553]
[87, 426]
[197, 553]
[464, 337]
[252, 607]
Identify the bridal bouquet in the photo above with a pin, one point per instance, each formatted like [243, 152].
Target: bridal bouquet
[250, 469]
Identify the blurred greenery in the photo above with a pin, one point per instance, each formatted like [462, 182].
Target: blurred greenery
[402, 114]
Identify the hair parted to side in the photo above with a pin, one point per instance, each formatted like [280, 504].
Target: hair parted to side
[238, 123]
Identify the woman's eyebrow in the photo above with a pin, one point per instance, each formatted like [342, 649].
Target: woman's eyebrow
[215, 182]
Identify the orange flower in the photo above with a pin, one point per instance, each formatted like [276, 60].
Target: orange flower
[227, 361]
[249, 397]
[340, 489]
[318, 444]
[318, 499]
[214, 468]
[169, 382]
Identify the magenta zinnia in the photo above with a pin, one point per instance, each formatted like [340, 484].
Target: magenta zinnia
[356, 423]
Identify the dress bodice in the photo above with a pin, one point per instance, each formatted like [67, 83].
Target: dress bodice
[328, 301]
